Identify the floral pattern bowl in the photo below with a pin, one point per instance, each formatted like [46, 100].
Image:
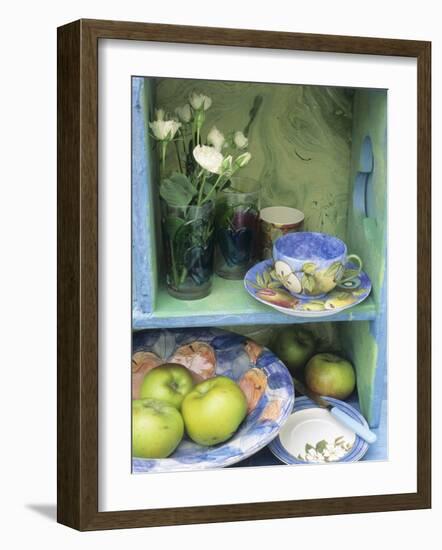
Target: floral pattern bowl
[209, 352]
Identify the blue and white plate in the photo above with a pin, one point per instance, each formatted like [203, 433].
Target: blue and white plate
[263, 287]
[230, 355]
[312, 435]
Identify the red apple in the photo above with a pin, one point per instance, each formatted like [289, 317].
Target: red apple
[330, 375]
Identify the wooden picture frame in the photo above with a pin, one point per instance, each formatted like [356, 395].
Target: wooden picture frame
[77, 462]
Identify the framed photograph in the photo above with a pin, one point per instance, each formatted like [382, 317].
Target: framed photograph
[244, 293]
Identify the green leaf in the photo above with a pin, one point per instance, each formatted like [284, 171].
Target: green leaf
[173, 224]
[177, 190]
[274, 284]
[308, 447]
[207, 187]
[224, 216]
[333, 270]
[321, 446]
[266, 276]
[260, 280]
[309, 267]
[253, 285]
[308, 283]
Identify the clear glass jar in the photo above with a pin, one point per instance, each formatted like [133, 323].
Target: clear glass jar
[188, 237]
[237, 228]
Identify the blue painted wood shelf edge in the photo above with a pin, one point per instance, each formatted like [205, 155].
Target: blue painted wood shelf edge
[254, 316]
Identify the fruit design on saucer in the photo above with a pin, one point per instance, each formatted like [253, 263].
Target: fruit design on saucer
[340, 300]
[269, 288]
[285, 275]
[279, 297]
[267, 282]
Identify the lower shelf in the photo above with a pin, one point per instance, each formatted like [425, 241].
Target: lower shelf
[230, 304]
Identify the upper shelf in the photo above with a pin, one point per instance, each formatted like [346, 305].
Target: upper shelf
[230, 304]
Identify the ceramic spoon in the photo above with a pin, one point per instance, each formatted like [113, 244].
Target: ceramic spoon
[363, 432]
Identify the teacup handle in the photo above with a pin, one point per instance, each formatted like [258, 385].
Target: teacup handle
[359, 268]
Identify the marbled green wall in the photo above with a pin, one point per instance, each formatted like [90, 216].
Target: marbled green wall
[300, 141]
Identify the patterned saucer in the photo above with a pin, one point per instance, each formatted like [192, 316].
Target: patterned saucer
[260, 284]
[312, 435]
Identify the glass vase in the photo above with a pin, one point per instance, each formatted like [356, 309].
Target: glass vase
[237, 226]
[188, 237]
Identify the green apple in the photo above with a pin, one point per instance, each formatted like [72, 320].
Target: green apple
[294, 346]
[157, 428]
[169, 383]
[213, 410]
[329, 374]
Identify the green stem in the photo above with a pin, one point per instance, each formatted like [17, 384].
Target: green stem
[183, 276]
[212, 190]
[172, 261]
[194, 132]
[178, 157]
[163, 155]
[200, 194]
[183, 135]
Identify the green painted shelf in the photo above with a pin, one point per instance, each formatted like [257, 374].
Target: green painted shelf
[230, 304]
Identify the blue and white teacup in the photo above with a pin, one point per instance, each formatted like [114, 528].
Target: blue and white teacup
[312, 264]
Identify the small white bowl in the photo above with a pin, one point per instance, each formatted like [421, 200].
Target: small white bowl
[312, 435]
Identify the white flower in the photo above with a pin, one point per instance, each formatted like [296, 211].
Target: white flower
[240, 140]
[332, 456]
[199, 101]
[184, 113]
[208, 158]
[243, 160]
[216, 138]
[164, 130]
[160, 114]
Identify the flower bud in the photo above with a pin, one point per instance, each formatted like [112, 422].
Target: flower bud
[184, 113]
[199, 101]
[243, 160]
[226, 166]
[164, 130]
[216, 138]
[240, 140]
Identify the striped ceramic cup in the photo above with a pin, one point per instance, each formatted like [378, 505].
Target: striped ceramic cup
[276, 221]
